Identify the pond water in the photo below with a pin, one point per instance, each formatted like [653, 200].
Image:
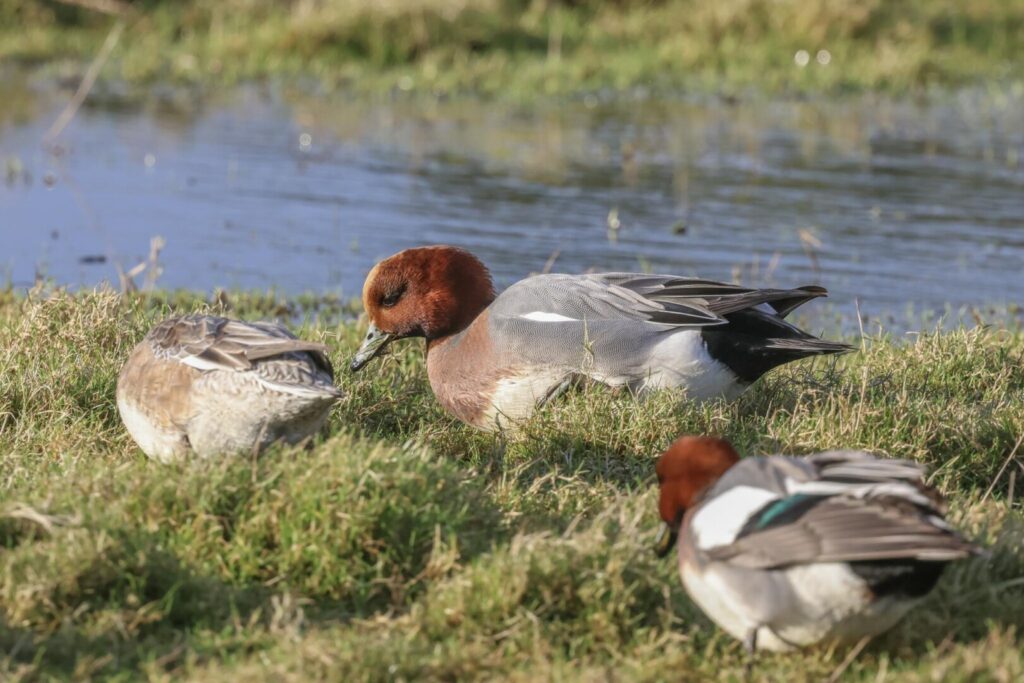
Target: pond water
[887, 203]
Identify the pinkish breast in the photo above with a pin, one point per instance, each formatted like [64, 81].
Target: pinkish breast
[464, 371]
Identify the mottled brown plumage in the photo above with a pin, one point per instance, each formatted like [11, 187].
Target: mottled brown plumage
[210, 386]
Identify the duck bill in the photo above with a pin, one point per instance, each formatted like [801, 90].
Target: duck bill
[375, 342]
[666, 539]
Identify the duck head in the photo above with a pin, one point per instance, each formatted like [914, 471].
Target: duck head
[429, 292]
[687, 469]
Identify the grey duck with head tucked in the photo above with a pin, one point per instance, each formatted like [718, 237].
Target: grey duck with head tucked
[209, 386]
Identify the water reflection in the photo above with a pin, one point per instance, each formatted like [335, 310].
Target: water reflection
[887, 201]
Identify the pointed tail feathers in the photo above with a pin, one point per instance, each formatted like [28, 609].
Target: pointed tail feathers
[810, 346]
[801, 295]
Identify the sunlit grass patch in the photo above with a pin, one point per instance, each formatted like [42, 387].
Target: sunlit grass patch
[401, 544]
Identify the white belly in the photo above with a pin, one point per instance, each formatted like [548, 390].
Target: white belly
[720, 604]
[516, 398]
[827, 595]
[814, 603]
[836, 604]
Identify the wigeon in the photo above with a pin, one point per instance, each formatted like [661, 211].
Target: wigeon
[783, 552]
[494, 359]
[209, 386]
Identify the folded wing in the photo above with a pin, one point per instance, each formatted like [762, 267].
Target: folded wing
[847, 506]
[844, 529]
[210, 343]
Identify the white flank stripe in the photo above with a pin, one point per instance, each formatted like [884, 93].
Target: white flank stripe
[202, 364]
[545, 317]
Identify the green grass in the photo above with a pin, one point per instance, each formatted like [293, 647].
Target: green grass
[405, 546]
[522, 48]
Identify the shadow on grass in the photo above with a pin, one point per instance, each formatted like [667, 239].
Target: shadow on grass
[127, 607]
[132, 607]
[233, 556]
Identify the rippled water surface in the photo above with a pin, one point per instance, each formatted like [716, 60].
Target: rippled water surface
[889, 203]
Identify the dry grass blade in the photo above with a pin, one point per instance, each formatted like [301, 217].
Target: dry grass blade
[45, 522]
[151, 266]
[91, 74]
[1006, 463]
[848, 660]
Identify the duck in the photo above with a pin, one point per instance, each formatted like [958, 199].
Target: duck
[204, 386]
[787, 552]
[492, 360]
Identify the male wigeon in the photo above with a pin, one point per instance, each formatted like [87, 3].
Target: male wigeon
[783, 552]
[212, 386]
[495, 359]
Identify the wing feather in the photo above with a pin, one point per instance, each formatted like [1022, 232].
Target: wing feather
[668, 300]
[847, 529]
[595, 298]
[719, 297]
[211, 343]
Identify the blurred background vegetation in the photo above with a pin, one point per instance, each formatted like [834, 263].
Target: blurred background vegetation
[525, 47]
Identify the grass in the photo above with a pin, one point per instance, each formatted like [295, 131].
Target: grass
[522, 48]
[405, 546]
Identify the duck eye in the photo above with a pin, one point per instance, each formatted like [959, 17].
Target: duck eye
[391, 299]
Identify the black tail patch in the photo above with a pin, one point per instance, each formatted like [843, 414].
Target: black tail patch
[753, 342]
[904, 578]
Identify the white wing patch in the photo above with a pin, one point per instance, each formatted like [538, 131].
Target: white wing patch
[720, 519]
[545, 317]
[201, 364]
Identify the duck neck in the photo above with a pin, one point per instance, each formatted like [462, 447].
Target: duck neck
[462, 317]
[463, 368]
[455, 332]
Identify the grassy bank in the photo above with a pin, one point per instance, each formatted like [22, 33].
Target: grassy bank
[524, 47]
[405, 546]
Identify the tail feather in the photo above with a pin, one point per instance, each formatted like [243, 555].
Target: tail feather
[800, 296]
[755, 341]
[809, 346]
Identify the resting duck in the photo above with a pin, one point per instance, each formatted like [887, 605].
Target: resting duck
[209, 386]
[785, 552]
[492, 360]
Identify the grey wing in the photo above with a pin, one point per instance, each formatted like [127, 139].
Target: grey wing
[579, 323]
[830, 473]
[592, 298]
[847, 529]
[861, 473]
[718, 297]
[775, 473]
[863, 466]
[616, 319]
[297, 374]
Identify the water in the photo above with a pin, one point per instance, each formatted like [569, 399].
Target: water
[889, 203]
